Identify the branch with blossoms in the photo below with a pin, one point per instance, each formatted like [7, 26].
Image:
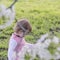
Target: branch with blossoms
[12, 4]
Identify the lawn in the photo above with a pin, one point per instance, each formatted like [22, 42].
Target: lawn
[42, 14]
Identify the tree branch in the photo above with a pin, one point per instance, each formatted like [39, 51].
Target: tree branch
[12, 4]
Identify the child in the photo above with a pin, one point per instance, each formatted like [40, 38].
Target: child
[17, 40]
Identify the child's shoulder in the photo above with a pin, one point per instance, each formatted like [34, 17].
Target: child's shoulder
[14, 37]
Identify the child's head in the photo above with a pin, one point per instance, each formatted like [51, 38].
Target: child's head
[23, 26]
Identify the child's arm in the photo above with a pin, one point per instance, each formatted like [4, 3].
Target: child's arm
[12, 46]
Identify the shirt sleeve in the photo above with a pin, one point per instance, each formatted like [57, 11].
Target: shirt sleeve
[12, 45]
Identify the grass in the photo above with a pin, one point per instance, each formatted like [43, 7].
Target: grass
[42, 14]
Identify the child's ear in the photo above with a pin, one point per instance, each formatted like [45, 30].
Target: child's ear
[26, 32]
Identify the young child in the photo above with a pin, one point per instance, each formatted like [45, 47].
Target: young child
[17, 40]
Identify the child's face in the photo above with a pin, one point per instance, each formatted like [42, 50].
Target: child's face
[20, 33]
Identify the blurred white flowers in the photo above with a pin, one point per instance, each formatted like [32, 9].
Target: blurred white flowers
[58, 48]
[55, 40]
[41, 49]
[8, 14]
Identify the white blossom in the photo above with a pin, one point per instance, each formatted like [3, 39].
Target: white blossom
[26, 49]
[42, 38]
[55, 40]
[46, 43]
[58, 49]
[33, 50]
[41, 49]
[2, 10]
[44, 54]
[56, 55]
[8, 14]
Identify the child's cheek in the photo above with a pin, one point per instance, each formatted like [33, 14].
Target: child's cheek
[21, 34]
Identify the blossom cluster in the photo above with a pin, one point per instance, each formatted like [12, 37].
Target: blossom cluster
[41, 49]
[9, 14]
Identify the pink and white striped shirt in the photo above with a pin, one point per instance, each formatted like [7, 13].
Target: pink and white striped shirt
[15, 45]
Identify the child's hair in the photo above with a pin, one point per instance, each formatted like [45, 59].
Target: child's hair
[23, 25]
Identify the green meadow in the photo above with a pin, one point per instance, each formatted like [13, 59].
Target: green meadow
[42, 14]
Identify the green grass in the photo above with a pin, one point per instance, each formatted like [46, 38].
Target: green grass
[42, 14]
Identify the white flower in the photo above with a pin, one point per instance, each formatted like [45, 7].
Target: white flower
[46, 43]
[57, 55]
[44, 54]
[33, 50]
[58, 48]
[26, 49]
[55, 40]
[2, 10]
[40, 49]
[42, 38]
[9, 14]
